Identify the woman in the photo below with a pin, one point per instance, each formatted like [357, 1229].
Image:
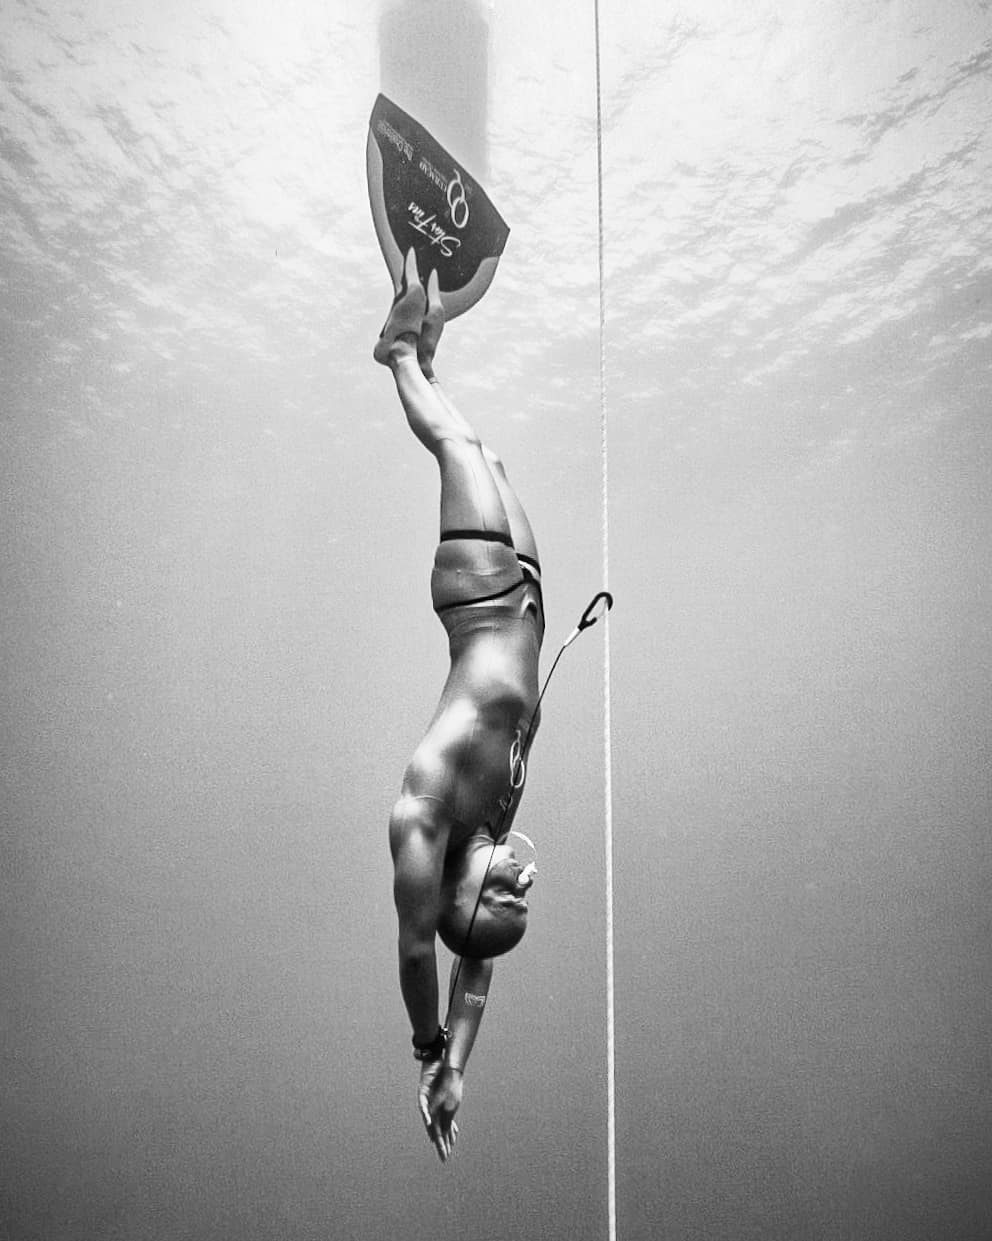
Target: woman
[453, 874]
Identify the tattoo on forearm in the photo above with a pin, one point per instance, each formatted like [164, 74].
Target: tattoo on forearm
[474, 1001]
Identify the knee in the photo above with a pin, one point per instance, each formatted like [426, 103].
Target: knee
[457, 447]
[440, 436]
[463, 437]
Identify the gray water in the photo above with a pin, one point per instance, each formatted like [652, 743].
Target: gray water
[218, 650]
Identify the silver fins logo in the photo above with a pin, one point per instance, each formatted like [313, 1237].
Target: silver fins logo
[421, 196]
[457, 202]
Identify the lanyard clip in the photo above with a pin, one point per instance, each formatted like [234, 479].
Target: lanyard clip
[599, 606]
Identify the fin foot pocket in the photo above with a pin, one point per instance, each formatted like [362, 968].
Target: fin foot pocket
[406, 313]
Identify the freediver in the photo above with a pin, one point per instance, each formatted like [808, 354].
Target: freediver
[454, 875]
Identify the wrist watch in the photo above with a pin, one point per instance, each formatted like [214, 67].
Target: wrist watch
[433, 1050]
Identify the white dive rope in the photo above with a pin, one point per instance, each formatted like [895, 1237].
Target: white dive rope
[611, 1126]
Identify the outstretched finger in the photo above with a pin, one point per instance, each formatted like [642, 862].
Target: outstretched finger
[434, 1135]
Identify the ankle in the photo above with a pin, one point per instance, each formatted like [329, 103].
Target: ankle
[403, 348]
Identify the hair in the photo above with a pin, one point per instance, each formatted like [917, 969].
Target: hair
[469, 924]
[492, 931]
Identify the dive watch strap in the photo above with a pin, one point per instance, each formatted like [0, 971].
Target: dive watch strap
[434, 1050]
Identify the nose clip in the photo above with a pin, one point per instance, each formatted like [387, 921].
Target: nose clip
[526, 877]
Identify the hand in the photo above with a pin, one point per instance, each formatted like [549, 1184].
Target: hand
[439, 1096]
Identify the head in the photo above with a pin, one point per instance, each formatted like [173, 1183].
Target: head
[501, 917]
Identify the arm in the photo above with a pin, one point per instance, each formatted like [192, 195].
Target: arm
[441, 1083]
[418, 836]
[467, 1006]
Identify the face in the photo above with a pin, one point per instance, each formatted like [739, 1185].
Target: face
[487, 924]
[503, 884]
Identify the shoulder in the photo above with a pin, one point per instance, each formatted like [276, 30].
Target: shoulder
[424, 820]
[418, 840]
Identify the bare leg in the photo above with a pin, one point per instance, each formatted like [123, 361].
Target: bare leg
[430, 335]
[520, 527]
[470, 496]
[475, 492]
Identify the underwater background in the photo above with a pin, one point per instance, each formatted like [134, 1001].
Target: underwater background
[218, 651]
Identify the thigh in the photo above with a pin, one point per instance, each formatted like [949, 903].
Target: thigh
[470, 496]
